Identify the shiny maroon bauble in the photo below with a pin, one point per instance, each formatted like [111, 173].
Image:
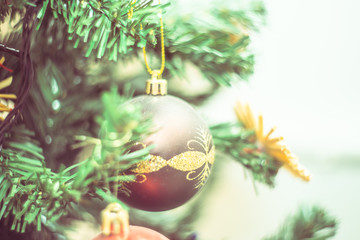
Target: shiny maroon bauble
[135, 233]
[180, 162]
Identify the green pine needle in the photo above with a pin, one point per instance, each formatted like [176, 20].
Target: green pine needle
[29, 189]
[310, 223]
[104, 25]
[232, 139]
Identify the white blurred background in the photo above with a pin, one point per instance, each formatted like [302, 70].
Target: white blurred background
[306, 82]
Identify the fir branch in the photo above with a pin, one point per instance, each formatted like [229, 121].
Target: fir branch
[310, 223]
[217, 42]
[104, 26]
[29, 190]
[233, 139]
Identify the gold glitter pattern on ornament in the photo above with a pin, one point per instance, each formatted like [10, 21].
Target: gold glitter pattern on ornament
[210, 157]
[205, 172]
[181, 162]
[155, 163]
[188, 161]
[125, 186]
[204, 139]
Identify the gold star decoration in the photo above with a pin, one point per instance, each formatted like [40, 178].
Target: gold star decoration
[272, 146]
[6, 104]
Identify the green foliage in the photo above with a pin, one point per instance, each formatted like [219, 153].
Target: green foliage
[103, 25]
[232, 139]
[53, 110]
[216, 42]
[310, 223]
[29, 190]
[64, 101]
[24, 179]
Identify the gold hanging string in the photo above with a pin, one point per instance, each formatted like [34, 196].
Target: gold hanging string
[154, 73]
[131, 12]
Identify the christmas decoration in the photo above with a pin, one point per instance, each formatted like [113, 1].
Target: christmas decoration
[270, 145]
[115, 226]
[184, 152]
[43, 178]
[182, 158]
[6, 105]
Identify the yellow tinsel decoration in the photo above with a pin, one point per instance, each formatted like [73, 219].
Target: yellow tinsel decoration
[273, 146]
[5, 105]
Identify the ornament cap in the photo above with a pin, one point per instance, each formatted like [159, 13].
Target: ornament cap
[156, 86]
[115, 220]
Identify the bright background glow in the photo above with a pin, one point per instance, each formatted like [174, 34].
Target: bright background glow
[306, 82]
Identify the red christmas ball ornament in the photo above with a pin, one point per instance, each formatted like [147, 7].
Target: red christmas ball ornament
[115, 226]
[181, 160]
[135, 233]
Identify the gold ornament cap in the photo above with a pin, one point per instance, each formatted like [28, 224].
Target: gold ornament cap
[156, 86]
[115, 220]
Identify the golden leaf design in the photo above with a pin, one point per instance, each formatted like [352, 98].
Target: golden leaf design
[210, 157]
[187, 161]
[125, 187]
[201, 177]
[154, 164]
[204, 139]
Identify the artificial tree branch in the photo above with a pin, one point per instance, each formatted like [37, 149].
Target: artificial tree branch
[29, 189]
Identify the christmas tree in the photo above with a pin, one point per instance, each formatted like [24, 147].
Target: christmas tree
[74, 136]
